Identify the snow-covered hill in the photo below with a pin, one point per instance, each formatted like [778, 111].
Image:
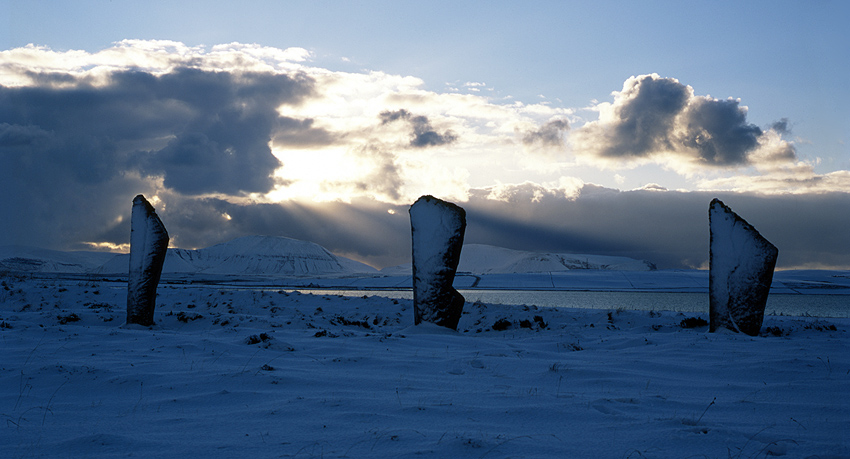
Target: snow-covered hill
[256, 255]
[266, 255]
[31, 259]
[488, 259]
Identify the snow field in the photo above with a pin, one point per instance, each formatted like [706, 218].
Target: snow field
[229, 372]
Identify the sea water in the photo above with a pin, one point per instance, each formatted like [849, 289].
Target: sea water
[777, 304]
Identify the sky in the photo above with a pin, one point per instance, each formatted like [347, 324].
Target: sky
[580, 127]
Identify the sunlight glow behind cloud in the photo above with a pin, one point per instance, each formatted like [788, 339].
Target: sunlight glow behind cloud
[237, 131]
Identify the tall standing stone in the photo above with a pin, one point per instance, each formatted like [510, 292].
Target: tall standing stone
[437, 229]
[741, 271]
[148, 245]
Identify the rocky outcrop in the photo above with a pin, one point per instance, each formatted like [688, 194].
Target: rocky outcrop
[437, 229]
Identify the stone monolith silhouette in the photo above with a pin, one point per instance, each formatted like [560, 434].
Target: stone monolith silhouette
[437, 229]
[741, 264]
[148, 245]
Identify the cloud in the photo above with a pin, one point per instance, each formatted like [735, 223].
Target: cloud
[655, 118]
[668, 228]
[653, 187]
[383, 180]
[791, 180]
[155, 56]
[202, 131]
[566, 187]
[243, 139]
[550, 135]
[423, 134]
[718, 131]
[781, 126]
[76, 145]
[223, 145]
[301, 133]
[13, 135]
[642, 118]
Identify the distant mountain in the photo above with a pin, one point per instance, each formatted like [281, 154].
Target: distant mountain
[32, 259]
[253, 255]
[487, 259]
[256, 255]
[484, 259]
[266, 255]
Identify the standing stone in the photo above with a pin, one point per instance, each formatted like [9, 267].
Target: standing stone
[437, 228]
[148, 245]
[741, 264]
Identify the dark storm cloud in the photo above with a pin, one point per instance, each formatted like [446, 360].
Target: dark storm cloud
[81, 150]
[645, 121]
[20, 136]
[423, 134]
[599, 221]
[291, 132]
[718, 131]
[549, 135]
[390, 116]
[217, 125]
[656, 115]
[667, 228]
[223, 146]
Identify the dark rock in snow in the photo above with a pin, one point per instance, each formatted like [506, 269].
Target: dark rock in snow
[148, 245]
[741, 271]
[437, 229]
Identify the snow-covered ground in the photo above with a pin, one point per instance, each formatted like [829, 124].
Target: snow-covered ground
[268, 373]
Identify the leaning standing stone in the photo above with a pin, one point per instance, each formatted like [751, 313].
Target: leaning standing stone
[437, 228]
[741, 270]
[148, 245]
